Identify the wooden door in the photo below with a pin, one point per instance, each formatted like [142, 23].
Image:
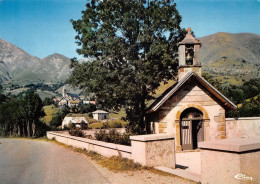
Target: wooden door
[186, 135]
[197, 132]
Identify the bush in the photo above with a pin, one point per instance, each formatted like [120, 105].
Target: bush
[115, 123]
[75, 131]
[113, 136]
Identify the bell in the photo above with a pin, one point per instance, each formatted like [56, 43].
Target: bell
[188, 56]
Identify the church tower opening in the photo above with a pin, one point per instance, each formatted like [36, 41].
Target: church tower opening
[189, 55]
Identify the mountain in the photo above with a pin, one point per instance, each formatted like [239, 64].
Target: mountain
[14, 60]
[22, 68]
[51, 69]
[230, 57]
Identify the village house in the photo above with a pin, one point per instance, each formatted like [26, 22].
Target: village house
[69, 99]
[100, 115]
[76, 121]
[191, 109]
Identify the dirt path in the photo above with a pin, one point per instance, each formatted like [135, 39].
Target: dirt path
[28, 161]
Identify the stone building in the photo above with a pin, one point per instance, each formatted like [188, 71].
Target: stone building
[76, 121]
[192, 108]
[69, 99]
[100, 115]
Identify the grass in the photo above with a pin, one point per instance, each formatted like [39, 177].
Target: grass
[49, 110]
[163, 87]
[96, 124]
[118, 115]
[110, 123]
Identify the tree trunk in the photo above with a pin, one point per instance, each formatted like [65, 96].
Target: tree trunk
[28, 129]
[19, 130]
[33, 128]
[143, 109]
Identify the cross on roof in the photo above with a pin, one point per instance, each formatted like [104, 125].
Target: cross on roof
[189, 30]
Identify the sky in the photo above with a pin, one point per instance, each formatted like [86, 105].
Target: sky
[42, 27]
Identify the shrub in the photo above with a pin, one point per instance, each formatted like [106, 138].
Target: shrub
[113, 136]
[75, 131]
[115, 123]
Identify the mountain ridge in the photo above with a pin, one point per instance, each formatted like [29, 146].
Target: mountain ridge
[230, 57]
[18, 66]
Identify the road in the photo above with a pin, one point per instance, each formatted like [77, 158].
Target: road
[40, 162]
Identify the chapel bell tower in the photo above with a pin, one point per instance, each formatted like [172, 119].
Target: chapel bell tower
[189, 55]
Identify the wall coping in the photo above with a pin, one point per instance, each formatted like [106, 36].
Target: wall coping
[119, 147]
[232, 145]
[152, 137]
[242, 118]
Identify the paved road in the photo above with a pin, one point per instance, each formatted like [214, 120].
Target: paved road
[39, 162]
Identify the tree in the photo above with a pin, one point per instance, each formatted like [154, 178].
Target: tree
[86, 108]
[133, 48]
[33, 110]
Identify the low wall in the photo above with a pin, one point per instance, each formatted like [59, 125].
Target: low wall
[154, 150]
[243, 127]
[230, 161]
[103, 148]
[148, 150]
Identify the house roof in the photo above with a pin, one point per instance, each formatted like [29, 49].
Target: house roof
[75, 102]
[67, 120]
[99, 111]
[174, 88]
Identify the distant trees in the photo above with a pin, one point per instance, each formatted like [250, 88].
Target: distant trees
[20, 116]
[58, 117]
[248, 95]
[86, 108]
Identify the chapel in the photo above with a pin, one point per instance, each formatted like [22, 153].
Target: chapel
[191, 109]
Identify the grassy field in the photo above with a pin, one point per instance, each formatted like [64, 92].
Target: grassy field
[49, 110]
[117, 115]
[111, 123]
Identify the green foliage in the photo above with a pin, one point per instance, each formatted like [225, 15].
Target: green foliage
[20, 116]
[240, 95]
[248, 108]
[74, 131]
[86, 108]
[114, 123]
[47, 101]
[58, 117]
[134, 48]
[113, 136]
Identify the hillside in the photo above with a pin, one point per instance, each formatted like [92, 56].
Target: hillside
[231, 58]
[51, 69]
[22, 68]
[13, 60]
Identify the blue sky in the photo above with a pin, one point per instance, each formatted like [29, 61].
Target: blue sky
[42, 27]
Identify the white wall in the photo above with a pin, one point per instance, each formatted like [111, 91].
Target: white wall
[243, 127]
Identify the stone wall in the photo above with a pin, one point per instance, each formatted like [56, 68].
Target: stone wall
[243, 127]
[196, 96]
[154, 150]
[103, 148]
[148, 150]
[230, 161]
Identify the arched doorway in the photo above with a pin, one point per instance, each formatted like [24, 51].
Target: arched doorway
[191, 128]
